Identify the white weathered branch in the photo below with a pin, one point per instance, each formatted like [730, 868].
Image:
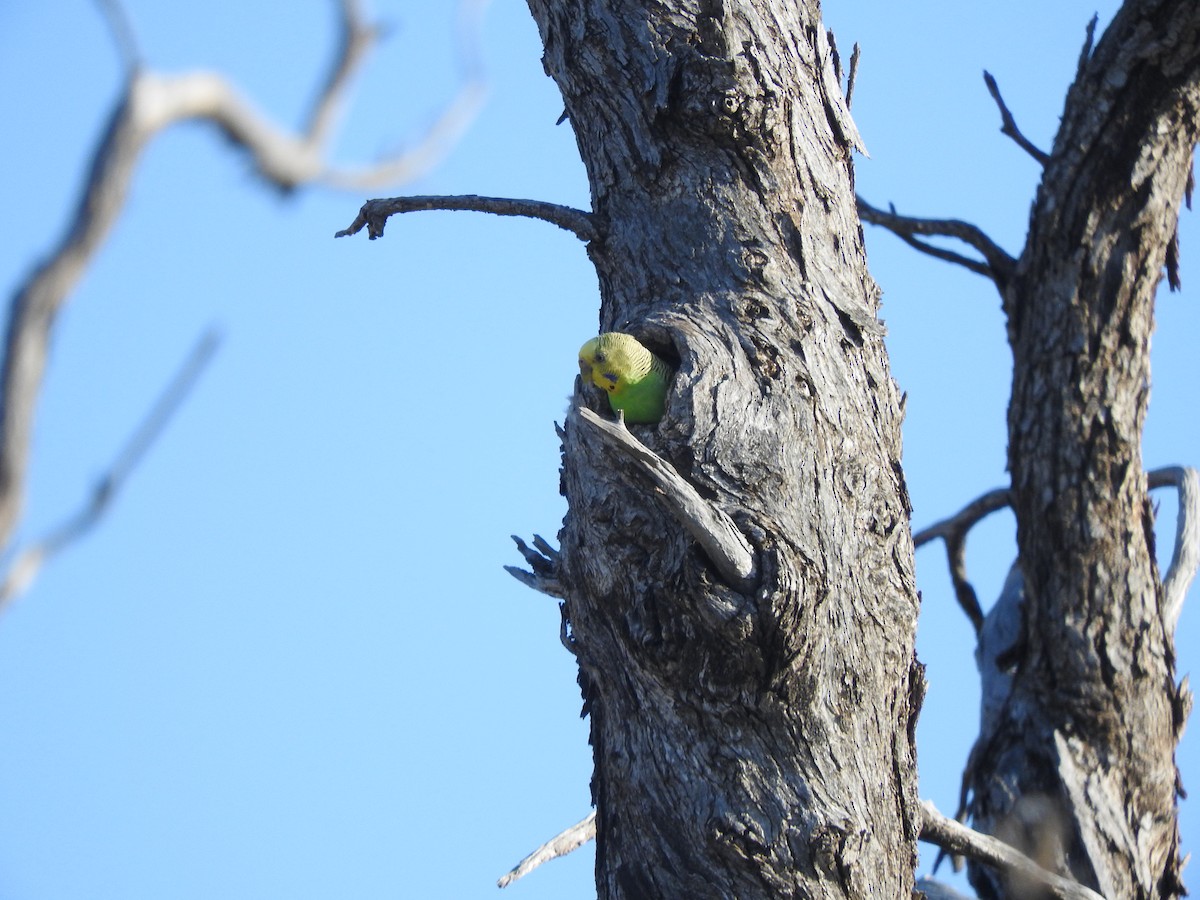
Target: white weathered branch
[953, 531]
[725, 545]
[117, 19]
[374, 213]
[956, 838]
[151, 103]
[543, 560]
[560, 845]
[936, 829]
[1186, 556]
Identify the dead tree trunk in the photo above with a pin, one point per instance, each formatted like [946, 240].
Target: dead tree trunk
[1080, 766]
[752, 732]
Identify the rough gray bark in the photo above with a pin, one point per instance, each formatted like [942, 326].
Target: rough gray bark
[1079, 766]
[749, 742]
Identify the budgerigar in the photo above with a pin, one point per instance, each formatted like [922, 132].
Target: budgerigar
[635, 380]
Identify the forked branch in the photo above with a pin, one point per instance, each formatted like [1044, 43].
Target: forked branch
[996, 263]
[151, 103]
[1186, 556]
[29, 562]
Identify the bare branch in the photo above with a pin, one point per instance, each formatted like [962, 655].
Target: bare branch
[1085, 52]
[1185, 559]
[446, 130]
[544, 562]
[355, 40]
[964, 592]
[936, 829]
[36, 303]
[150, 104]
[560, 845]
[28, 563]
[726, 547]
[1009, 126]
[855, 55]
[945, 255]
[1186, 556]
[958, 839]
[551, 587]
[965, 518]
[122, 31]
[997, 264]
[953, 531]
[375, 213]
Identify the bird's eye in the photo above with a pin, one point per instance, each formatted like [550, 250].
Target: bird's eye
[599, 357]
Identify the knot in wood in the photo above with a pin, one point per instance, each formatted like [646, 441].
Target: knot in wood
[711, 97]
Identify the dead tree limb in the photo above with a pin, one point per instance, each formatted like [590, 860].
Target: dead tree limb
[996, 263]
[149, 104]
[959, 839]
[1009, 124]
[374, 213]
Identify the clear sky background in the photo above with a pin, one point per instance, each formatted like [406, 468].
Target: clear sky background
[289, 663]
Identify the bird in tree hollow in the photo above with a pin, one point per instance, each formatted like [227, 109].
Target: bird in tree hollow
[635, 380]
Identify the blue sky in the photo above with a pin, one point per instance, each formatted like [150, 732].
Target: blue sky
[289, 663]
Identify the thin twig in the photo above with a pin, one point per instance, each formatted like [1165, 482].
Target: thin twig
[958, 839]
[725, 545]
[944, 255]
[855, 55]
[953, 531]
[543, 560]
[1085, 53]
[117, 18]
[997, 264]
[560, 845]
[355, 39]
[375, 213]
[1009, 124]
[966, 517]
[444, 133]
[28, 563]
[150, 104]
